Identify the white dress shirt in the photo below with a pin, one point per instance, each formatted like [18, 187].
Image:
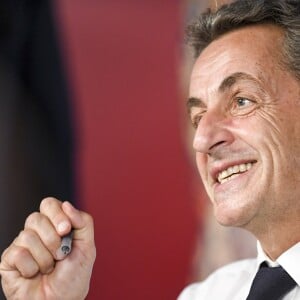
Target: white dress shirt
[233, 281]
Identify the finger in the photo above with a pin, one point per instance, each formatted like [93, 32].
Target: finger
[84, 249]
[45, 230]
[19, 259]
[83, 231]
[30, 240]
[81, 221]
[52, 208]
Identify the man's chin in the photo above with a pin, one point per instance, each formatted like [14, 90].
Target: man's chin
[231, 217]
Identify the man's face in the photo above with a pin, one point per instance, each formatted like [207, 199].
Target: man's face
[245, 107]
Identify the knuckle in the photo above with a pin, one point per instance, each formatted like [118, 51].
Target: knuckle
[20, 253]
[26, 237]
[17, 254]
[33, 219]
[46, 202]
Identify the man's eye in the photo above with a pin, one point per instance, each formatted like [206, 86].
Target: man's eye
[242, 106]
[243, 102]
[196, 119]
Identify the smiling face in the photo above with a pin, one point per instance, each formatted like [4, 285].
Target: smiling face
[245, 107]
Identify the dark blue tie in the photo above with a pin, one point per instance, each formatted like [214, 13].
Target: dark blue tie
[270, 283]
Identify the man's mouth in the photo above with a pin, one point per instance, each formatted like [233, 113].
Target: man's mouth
[233, 171]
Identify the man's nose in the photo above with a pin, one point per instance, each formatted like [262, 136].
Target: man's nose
[212, 132]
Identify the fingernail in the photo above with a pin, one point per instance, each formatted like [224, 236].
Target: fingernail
[63, 227]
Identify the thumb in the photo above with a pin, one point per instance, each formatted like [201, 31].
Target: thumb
[82, 223]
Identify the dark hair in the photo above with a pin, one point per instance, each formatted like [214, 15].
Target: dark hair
[283, 13]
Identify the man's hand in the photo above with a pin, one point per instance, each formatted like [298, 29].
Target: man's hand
[32, 267]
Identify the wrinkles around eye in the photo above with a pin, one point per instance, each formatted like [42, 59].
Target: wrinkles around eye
[242, 106]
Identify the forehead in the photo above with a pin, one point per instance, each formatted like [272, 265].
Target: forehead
[252, 50]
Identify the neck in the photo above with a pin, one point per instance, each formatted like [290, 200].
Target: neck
[275, 239]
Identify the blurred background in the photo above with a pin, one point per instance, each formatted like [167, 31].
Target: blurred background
[93, 111]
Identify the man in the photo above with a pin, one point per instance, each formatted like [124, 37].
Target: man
[245, 106]
[33, 267]
[244, 103]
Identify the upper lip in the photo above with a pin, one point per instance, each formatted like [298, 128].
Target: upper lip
[221, 166]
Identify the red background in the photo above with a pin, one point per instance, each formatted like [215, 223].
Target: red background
[133, 174]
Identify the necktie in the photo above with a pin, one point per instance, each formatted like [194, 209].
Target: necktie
[270, 283]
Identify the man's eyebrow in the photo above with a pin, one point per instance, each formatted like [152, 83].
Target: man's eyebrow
[229, 81]
[226, 84]
[194, 102]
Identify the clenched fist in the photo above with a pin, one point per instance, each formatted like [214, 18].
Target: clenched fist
[33, 267]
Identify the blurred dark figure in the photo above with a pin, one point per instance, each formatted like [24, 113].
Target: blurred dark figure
[35, 124]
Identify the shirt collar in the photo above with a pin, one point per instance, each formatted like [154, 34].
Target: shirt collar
[289, 260]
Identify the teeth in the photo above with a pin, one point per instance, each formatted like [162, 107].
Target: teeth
[243, 168]
[233, 171]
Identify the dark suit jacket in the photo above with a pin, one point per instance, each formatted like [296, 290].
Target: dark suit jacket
[36, 140]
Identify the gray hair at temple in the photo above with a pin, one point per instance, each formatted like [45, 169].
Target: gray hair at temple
[240, 13]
